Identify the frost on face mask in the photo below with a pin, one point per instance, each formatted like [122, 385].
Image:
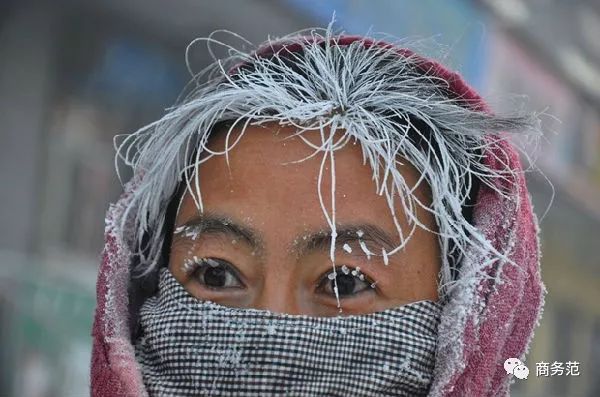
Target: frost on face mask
[377, 96]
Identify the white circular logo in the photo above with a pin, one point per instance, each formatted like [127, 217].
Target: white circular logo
[510, 364]
[521, 371]
[516, 367]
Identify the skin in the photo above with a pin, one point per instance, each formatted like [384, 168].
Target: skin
[276, 239]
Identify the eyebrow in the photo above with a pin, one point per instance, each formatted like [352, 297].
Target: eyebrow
[216, 224]
[210, 223]
[346, 234]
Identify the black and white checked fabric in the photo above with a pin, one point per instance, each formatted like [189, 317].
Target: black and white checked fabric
[197, 348]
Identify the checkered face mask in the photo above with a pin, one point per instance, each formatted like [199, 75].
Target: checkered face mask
[190, 347]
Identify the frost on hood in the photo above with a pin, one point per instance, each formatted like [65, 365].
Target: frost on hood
[377, 96]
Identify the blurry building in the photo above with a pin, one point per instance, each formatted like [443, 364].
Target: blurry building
[73, 74]
[550, 51]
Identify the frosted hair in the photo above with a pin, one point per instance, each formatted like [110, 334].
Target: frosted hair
[373, 95]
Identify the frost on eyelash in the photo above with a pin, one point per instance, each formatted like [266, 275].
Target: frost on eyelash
[190, 265]
[347, 97]
[355, 272]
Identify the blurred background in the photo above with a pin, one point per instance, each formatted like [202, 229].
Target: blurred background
[75, 73]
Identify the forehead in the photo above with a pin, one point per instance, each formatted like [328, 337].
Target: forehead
[271, 176]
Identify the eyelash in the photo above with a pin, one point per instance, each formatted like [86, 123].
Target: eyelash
[344, 270]
[195, 266]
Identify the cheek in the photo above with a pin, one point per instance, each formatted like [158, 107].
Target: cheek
[404, 282]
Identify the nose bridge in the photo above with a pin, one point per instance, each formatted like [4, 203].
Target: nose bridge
[279, 292]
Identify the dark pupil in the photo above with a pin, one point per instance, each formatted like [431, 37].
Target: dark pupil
[215, 276]
[345, 284]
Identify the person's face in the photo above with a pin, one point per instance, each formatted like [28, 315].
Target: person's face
[265, 241]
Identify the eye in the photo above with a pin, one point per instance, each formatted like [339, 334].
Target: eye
[216, 273]
[350, 281]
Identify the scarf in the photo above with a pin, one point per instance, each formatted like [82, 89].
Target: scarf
[190, 347]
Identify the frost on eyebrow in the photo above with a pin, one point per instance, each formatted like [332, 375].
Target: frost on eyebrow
[348, 235]
[338, 95]
[214, 224]
[191, 232]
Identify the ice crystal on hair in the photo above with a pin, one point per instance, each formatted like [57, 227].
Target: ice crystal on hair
[386, 259]
[364, 248]
[373, 95]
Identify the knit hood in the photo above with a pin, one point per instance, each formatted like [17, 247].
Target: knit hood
[490, 311]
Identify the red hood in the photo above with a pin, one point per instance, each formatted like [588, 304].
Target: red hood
[474, 339]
